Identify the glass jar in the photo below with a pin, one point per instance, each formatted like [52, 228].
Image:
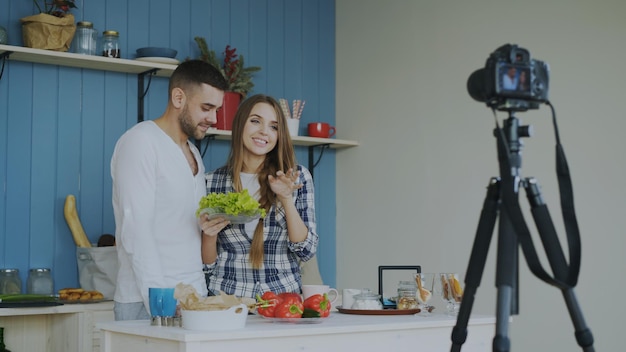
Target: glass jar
[85, 39]
[407, 295]
[40, 282]
[367, 300]
[10, 282]
[111, 44]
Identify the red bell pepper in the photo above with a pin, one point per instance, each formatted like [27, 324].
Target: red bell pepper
[319, 303]
[289, 309]
[266, 304]
[290, 296]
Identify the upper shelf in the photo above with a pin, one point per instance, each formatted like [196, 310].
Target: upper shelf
[19, 53]
[93, 62]
[297, 140]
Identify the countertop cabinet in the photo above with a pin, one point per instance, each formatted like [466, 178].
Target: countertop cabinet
[67, 328]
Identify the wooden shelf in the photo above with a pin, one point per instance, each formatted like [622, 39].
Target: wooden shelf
[297, 140]
[92, 62]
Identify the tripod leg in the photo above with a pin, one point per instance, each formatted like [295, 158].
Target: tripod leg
[477, 261]
[506, 277]
[583, 333]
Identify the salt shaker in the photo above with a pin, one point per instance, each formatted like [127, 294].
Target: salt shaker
[85, 39]
[39, 282]
[110, 44]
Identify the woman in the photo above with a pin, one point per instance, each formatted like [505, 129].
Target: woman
[264, 255]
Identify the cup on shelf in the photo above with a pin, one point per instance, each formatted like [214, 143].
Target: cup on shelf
[321, 130]
[293, 125]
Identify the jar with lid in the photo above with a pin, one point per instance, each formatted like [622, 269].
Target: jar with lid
[407, 295]
[85, 39]
[39, 282]
[367, 300]
[111, 44]
[10, 282]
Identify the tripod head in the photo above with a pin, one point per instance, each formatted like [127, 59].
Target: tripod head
[510, 134]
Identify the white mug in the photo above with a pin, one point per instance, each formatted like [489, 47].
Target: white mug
[310, 290]
[347, 297]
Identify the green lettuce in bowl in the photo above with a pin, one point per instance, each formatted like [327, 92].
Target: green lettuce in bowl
[238, 208]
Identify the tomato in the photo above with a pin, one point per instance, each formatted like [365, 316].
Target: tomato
[289, 309]
[318, 303]
[266, 304]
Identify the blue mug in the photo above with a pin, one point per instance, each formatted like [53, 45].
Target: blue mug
[162, 302]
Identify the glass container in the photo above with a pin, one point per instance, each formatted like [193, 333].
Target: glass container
[407, 295]
[85, 39]
[111, 44]
[367, 300]
[10, 282]
[40, 282]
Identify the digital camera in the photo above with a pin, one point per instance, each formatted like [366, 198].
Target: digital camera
[510, 80]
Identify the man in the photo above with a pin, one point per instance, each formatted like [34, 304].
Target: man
[509, 80]
[158, 180]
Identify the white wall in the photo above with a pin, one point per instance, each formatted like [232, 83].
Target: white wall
[411, 192]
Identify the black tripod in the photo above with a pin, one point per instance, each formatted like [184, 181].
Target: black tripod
[502, 197]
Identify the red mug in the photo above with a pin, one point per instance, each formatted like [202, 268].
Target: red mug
[321, 130]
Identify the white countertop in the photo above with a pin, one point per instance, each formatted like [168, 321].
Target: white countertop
[65, 308]
[259, 327]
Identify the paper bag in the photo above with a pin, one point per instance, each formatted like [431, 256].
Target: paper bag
[97, 269]
[49, 32]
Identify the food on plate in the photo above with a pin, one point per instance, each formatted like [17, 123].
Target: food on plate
[231, 203]
[266, 304]
[289, 308]
[290, 305]
[189, 299]
[79, 294]
[29, 297]
[318, 303]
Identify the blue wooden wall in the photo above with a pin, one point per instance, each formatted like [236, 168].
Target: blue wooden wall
[59, 125]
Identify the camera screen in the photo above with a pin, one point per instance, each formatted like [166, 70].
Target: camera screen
[514, 79]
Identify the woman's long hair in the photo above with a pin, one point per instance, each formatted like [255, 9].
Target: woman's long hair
[282, 157]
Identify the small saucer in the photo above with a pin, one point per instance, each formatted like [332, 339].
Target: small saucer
[160, 60]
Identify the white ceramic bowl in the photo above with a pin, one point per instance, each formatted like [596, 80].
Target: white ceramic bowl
[215, 320]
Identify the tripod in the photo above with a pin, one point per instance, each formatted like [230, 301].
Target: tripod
[502, 197]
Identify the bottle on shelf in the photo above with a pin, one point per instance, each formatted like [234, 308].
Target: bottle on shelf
[111, 44]
[40, 282]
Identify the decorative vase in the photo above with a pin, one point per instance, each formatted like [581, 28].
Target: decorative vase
[49, 32]
[226, 114]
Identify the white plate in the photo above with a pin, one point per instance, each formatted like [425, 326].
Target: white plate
[160, 60]
[234, 219]
[295, 320]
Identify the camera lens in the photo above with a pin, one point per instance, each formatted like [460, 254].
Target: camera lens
[476, 85]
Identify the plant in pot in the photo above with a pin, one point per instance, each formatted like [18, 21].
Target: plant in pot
[53, 28]
[238, 76]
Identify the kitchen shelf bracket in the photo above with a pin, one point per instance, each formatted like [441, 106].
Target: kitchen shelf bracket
[142, 90]
[313, 164]
[4, 56]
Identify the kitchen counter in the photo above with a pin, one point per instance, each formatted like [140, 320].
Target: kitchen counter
[339, 332]
[67, 328]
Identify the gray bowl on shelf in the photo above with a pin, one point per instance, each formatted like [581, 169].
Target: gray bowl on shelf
[156, 52]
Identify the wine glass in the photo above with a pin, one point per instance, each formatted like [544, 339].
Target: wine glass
[451, 292]
[425, 289]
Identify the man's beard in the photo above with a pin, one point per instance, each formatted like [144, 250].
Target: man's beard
[186, 124]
